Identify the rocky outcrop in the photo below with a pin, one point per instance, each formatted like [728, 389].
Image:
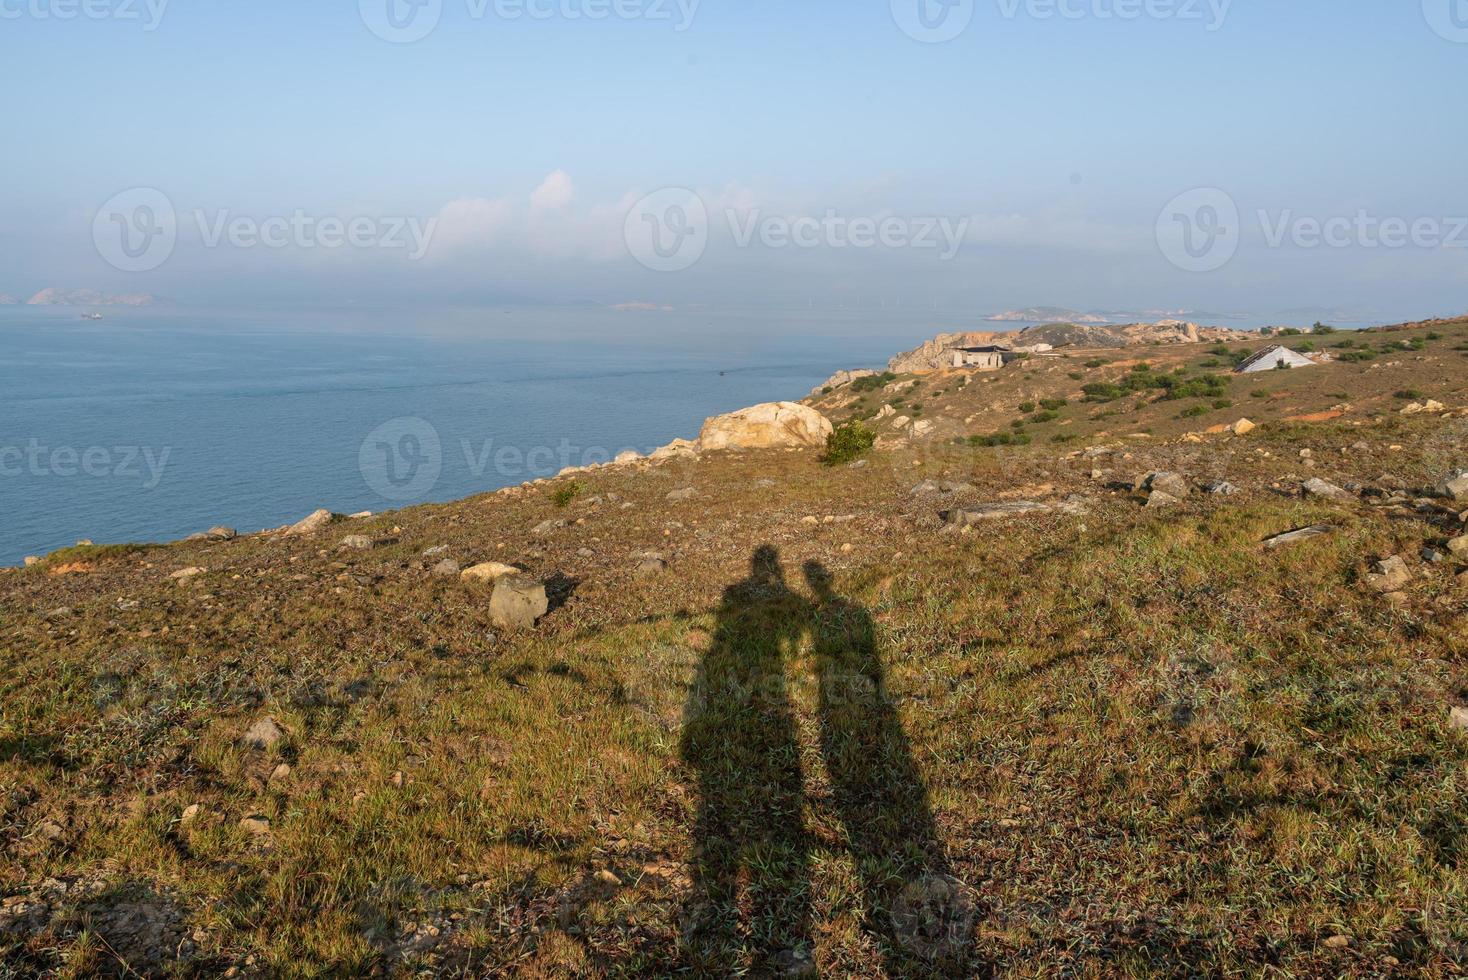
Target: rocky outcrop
[54, 296]
[936, 354]
[774, 425]
[840, 379]
[312, 522]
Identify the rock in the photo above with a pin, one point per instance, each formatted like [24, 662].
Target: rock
[544, 528]
[687, 493]
[769, 426]
[518, 602]
[651, 566]
[1243, 427]
[1432, 556]
[221, 533]
[1417, 408]
[605, 877]
[51, 830]
[988, 512]
[280, 772]
[1459, 546]
[1172, 484]
[312, 522]
[489, 571]
[1160, 498]
[678, 448]
[1220, 487]
[264, 734]
[190, 814]
[1302, 534]
[356, 542]
[1323, 488]
[841, 379]
[255, 824]
[1392, 575]
[1458, 718]
[438, 549]
[1456, 486]
[1338, 942]
[627, 456]
[922, 427]
[184, 574]
[927, 486]
[31, 560]
[448, 568]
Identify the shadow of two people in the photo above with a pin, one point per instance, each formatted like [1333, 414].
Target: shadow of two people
[740, 736]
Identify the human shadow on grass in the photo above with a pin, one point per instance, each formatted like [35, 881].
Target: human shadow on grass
[751, 910]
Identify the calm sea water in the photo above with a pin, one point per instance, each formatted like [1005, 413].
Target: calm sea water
[148, 426]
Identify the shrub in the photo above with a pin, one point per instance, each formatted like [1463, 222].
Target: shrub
[1258, 393]
[1409, 394]
[1096, 363]
[1051, 404]
[850, 440]
[873, 381]
[1046, 416]
[1322, 329]
[1103, 391]
[1075, 375]
[1433, 335]
[1222, 403]
[1001, 439]
[1194, 412]
[1065, 437]
[1212, 362]
[562, 495]
[1027, 407]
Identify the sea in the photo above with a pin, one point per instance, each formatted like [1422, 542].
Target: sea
[152, 424]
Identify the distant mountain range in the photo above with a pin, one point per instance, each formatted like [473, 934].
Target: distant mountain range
[55, 296]
[1059, 314]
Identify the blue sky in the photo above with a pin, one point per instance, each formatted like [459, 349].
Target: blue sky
[1057, 141]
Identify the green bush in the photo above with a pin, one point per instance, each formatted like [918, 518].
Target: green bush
[1051, 404]
[1258, 393]
[1096, 363]
[562, 495]
[1001, 439]
[1045, 416]
[850, 440]
[873, 381]
[1194, 412]
[1222, 403]
[1103, 391]
[1027, 407]
[1409, 394]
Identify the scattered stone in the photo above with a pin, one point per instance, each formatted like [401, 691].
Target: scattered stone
[1455, 487]
[544, 528]
[184, 574]
[1458, 718]
[1302, 534]
[356, 542]
[1158, 498]
[448, 568]
[518, 602]
[1173, 485]
[987, 512]
[487, 571]
[1417, 408]
[264, 734]
[60, 612]
[651, 565]
[221, 533]
[627, 456]
[438, 549]
[255, 824]
[1221, 488]
[312, 522]
[1432, 556]
[677, 449]
[1459, 546]
[1323, 488]
[927, 486]
[280, 772]
[1338, 942]
[1392, 575]
[1243, 427]
[51, 830]
[687, 493]
[31, 560]
[191, 813]
[84, 543]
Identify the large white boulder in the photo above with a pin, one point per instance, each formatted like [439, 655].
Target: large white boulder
[774, 425]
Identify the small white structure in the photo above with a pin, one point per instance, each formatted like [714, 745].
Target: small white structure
[982, 358]
[1272, 358]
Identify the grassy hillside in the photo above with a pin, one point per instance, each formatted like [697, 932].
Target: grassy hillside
[835, 736]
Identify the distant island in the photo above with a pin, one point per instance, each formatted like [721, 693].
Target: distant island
[56, 296]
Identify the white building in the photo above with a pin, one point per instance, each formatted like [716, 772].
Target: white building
[1271, 358]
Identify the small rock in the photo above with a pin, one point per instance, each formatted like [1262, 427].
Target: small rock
[448, 568]
[280, 772]
[605, 877]
[1323, 488]
[627, 456]
[312, 522]
[1458, 718]
[51, 830]
[687, 493]
[1432, 556]
[357, 542]
[191, 813]
[1302, 534]
[1220, 487]
[1172, 484]
[987, 512]
[255, 824]
[1159, 498]
[544, 528]
[1456, 486]
[488, 572]
[264, 734]
[517, 602]
[1243, 427]
[438, 549]
[221, 533]
[1392, 575]
[1338, 942]
[1459, 546]
[651, 566]
[184, 574]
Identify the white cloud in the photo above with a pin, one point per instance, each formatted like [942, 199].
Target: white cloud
[554, 193]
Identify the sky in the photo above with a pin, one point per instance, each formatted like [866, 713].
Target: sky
[968, 155]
